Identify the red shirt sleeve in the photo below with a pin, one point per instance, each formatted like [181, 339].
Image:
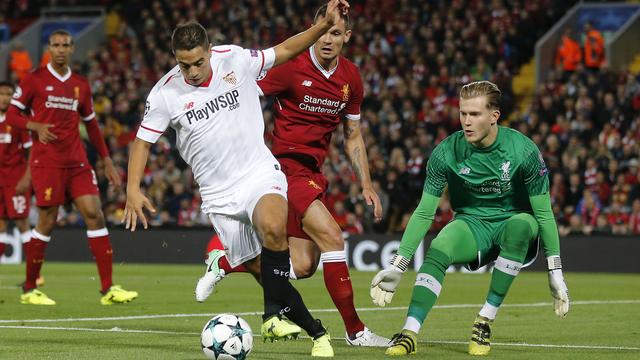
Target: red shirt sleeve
[352, 110]
[275, 80]
[85, 110]
[21, 101]
[24, 92]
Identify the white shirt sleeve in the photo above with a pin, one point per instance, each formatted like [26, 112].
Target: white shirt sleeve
[259, 60]
[156, 118]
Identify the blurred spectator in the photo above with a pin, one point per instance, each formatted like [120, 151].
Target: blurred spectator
[568, 53]
[593, 47]
[20, 61]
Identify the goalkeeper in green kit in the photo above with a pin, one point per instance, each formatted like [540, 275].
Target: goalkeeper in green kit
[499, 189]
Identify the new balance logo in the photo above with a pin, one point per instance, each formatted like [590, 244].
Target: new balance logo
[307, 83]
[48, 88]
[188, 105]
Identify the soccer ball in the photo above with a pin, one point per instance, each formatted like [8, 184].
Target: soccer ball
[226, 337]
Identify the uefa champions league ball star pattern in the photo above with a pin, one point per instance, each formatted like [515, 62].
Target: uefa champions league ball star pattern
[226, 337]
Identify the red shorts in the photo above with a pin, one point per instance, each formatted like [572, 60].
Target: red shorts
[14, 206]
[304, 186]
[54, 186]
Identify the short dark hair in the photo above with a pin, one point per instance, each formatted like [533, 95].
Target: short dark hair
[188, 36]
[322, 12]
[61, 32]
[7, 84]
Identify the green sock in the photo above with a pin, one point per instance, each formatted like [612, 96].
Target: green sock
[428, 285]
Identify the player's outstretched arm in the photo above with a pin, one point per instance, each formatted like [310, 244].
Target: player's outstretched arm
[384, 284]
[543, 212]
[357, 153]
[296, 44]
[136, 201]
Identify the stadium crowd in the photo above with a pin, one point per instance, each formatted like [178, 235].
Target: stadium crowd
[413, 60]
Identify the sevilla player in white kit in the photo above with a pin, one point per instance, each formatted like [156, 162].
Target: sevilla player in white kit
[315, 93]
[211, 100]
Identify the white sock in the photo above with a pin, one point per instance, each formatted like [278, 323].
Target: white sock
[25, 236]
[333, 256]
[292, 274]
[39, 236]
[489, 311]
[412, 325]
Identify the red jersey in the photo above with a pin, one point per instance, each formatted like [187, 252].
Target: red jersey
[13, 162]
[61, 101]
[310, 102]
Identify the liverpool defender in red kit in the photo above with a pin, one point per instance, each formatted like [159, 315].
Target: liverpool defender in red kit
[15, 177]
[315, 92]
[57, 99]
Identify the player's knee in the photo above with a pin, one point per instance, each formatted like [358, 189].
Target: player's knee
[438, 258]
[274, 235]
[93, 215]
[519, 232]
[304, 267]
[328, 239]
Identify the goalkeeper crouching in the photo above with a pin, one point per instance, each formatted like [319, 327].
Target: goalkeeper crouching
[499, 189]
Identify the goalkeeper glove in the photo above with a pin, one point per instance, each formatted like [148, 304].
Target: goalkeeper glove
[557, 286]
[384, 284]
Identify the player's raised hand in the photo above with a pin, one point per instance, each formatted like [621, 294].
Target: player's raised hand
[111, 172]
[45, 135]
[134, 209]
[372, 198]
[335, 9]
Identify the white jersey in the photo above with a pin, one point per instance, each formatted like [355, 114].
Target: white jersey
[219, 126]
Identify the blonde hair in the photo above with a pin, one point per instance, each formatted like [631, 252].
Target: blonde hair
[483, 88]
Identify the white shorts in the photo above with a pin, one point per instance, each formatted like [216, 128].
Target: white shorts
[231, 216]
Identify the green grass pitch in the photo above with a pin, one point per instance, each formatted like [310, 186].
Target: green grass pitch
[165, 321]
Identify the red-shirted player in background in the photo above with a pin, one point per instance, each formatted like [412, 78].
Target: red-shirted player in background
[314, 93]
[15, 177]
[57, 99]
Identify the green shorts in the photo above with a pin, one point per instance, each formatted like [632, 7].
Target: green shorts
[488, 236]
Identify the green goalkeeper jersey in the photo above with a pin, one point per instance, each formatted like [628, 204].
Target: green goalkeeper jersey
[493, 183]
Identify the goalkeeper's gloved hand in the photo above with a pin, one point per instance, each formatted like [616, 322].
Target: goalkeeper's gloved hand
[557, 286]
[384, 284]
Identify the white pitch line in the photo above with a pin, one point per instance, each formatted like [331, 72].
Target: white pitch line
[119, 330]
[256, 313]
[115, 329]
[592, 347]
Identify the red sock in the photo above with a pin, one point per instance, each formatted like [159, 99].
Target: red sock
[102, 252]
[34, 250]
[338, 283]
[216, 244]
[224, 265]
[2, 247]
